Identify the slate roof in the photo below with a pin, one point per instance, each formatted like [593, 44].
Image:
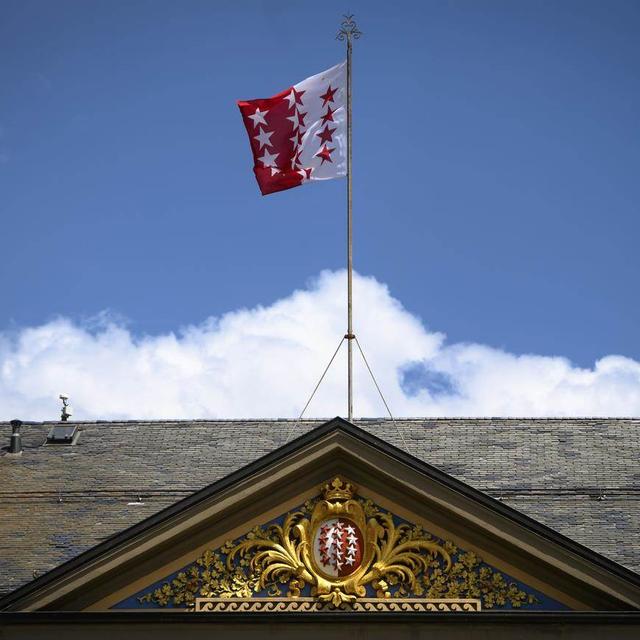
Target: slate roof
[580, 477]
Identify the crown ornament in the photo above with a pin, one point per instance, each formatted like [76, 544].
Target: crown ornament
[338, 489]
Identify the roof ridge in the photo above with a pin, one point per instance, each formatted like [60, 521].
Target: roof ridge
[323, 420]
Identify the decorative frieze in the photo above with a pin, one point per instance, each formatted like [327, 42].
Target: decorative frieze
[369, 605]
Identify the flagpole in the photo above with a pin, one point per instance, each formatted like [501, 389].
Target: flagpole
[348, 31]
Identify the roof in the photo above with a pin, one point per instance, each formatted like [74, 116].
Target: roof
[581, 477]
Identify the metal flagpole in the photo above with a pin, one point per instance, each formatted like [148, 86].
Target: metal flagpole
[349, 31]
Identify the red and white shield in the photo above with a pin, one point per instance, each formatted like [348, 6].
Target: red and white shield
[338, 547]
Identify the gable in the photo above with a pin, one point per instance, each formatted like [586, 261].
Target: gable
[578, 476]
[491, 541]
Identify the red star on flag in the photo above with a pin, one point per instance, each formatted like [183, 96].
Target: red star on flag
[328, 96]
[325, 154]
[326, 134]
[295, 97]
[328, 116]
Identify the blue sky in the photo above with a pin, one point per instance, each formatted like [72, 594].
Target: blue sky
[496, 155]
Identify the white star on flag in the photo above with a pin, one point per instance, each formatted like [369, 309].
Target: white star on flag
[258, 117]
[264, 137]
[294, 120]
[292, 97]
[269, 159]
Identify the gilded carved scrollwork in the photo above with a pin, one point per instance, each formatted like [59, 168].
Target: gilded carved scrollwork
[339, 550]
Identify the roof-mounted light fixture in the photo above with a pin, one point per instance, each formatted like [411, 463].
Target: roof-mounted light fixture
[67, 410]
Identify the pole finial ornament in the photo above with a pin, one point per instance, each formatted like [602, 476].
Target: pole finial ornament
[348, 29]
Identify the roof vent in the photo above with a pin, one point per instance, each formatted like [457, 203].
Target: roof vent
[63, 434]
[15, 446]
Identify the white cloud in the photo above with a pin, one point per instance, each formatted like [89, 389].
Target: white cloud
[264, 362]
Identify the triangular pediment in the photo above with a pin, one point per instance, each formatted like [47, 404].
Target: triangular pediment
[341, 519]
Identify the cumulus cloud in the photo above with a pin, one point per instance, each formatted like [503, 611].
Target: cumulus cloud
[265, 361]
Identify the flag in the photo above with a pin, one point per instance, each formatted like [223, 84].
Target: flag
[300, 134]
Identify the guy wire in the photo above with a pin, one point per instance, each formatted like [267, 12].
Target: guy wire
[404, 442]
[297, 422]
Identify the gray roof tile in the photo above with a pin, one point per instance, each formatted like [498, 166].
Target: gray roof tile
[580, 477]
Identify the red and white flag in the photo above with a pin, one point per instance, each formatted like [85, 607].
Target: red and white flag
[300, 134]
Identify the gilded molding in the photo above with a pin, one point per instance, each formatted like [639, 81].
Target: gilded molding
[372, 605]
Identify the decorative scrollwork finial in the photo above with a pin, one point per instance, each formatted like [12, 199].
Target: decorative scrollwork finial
[348, 29]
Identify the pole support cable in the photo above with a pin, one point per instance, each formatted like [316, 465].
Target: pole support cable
[313, 393]
[404, 442]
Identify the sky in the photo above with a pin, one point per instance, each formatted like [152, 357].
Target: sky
[496, 152]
